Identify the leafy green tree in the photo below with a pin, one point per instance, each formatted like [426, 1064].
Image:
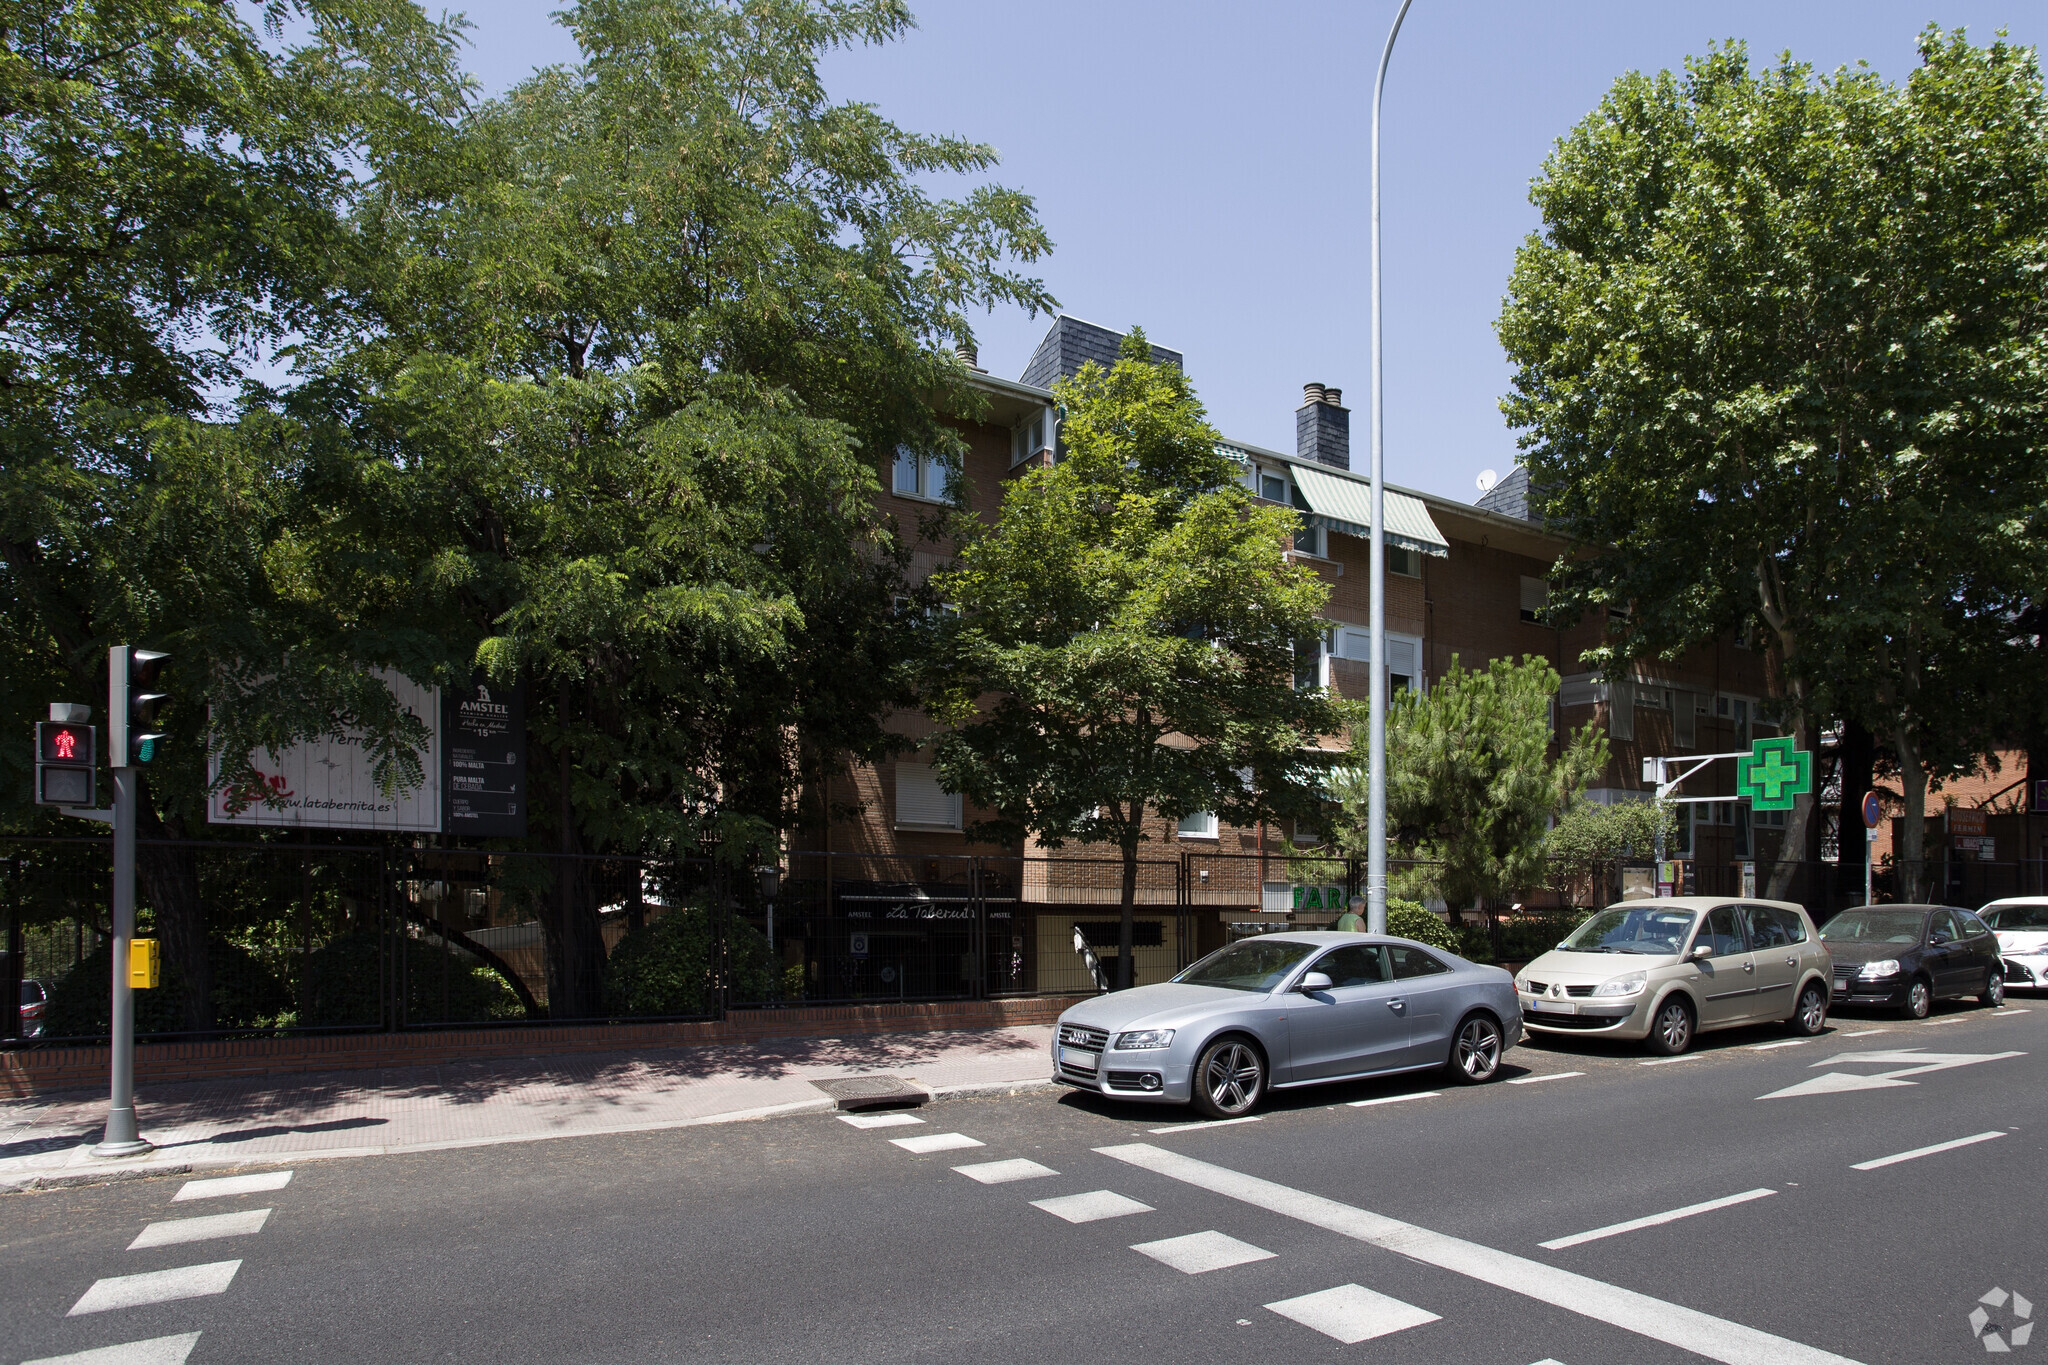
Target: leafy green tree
[1125, 635]
[644, 334]
[1583, 848]
[1471, 782]
[1779, 354]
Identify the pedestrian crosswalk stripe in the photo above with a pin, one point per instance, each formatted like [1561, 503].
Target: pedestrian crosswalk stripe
[155, 1351]
[1003, 1172]
[935, 1142]
[233, 1184]
[892, 1120]
[1091, 1207]
[156, 1286]
[1201, 1252]
[177, 1231]
[1352, 1313]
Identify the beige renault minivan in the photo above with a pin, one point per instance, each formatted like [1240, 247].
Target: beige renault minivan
[1668, 969]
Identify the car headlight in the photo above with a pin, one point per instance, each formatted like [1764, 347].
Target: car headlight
[1623, 985]
[1143, 1038]
[1873, 970]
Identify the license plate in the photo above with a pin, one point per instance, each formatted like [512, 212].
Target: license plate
[1555, 1007]
[1074, 1057]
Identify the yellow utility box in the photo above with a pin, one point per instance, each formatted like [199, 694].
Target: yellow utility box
[144, 963]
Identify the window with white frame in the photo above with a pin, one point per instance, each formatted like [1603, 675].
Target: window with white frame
[922, 476]
[1200, 825]
[1404, 561]
[1309, 539]
[1032, 437]
[1272, 487]
[1535, 597]
[1404, 655]
[921, 803]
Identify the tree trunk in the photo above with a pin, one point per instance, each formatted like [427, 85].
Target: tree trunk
[1792, 845]
[169, 880]
[1857, 765]
[575, 940]
[1910, 858]
[1127, 928]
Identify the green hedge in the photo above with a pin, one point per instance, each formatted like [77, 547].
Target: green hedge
[246, 995]
[668, 966]
[1406, 919]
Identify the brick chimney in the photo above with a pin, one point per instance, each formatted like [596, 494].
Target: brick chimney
[1322, 427]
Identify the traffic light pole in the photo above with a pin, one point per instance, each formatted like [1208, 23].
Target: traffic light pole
[121, 1137]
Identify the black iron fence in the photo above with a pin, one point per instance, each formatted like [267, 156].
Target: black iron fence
[293, 935]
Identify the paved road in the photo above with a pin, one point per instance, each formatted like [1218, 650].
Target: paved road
[1410, 1226]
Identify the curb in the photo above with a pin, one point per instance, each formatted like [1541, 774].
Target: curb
[109, 1175]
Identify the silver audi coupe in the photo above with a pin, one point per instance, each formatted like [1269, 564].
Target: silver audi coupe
[1283, 1010]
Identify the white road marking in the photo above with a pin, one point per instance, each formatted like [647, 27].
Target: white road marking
[155, 1351]
[1209, 1123]
[1003, 1172]
[1864, 1033]
[233, 1184]
[1652, 1220]
[1922, 1062]
[1553, 1076]
[1548, 1361]
[1200, 1252]
[1926, 1151]
[2010, 1010]
[1091, 1207]
[1393, 1099]
[1667, 1061]
[156, 1286]
[1932, 1023]
[177, 1231]
[895, 1120]
[1352, 1313]
[935, 1142]
[1732, 1343]
[1782, 1042]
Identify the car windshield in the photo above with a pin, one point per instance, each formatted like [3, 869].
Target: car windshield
[2017, 917]
[1251, 965]
[1874, 926]
[1657, 930]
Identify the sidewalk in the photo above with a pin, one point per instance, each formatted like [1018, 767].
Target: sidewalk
[198, 1124]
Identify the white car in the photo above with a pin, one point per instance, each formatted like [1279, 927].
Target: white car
[2021, 923]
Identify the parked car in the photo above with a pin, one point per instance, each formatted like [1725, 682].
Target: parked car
[2021, 926]
[1283, 1010]
[35, 998]
[1906, 957]
[1666, 970]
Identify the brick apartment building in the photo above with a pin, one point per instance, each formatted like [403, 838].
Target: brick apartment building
[1465, 582]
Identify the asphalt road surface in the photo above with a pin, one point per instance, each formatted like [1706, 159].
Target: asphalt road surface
[1588, 1209]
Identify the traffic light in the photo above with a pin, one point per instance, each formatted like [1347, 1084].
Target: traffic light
[132, 702]
[67, 755]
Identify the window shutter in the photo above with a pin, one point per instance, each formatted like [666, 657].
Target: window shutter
[1621, 711]
[1683, 712]
[921, 801]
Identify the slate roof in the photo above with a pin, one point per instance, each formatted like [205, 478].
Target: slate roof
[1071, 343]
[1509, 497]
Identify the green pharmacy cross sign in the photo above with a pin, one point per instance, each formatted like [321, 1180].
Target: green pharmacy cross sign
[1772, 773]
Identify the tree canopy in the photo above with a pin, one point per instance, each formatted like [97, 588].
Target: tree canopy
[1781, 361]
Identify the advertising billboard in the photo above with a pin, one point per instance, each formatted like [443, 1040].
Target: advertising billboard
[328, 784]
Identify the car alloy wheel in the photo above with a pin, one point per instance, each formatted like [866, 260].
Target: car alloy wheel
[1231, 1078]
[1993, 994]
[1813, 1010]
[1476, 1056]
[1671, 1030]
[1919, 999]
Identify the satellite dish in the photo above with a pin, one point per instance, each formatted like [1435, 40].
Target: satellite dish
[1487, 479]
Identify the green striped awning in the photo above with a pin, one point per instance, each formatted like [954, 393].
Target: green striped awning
[1345, 506]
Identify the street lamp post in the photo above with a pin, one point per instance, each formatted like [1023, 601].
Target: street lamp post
[1376, 756]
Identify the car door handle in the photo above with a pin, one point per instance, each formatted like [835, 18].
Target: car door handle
[1749, 966]
[1397, 1005]
[1791, 962]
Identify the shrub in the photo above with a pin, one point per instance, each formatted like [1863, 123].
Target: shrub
[246, 995]
[342, 984]
[668, 965]
[1406, 919]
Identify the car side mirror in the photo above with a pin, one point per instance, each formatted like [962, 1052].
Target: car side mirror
[1314, 981]
[1700, 950]
[1938, 939]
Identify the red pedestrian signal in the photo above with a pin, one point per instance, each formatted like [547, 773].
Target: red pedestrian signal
[65, 757]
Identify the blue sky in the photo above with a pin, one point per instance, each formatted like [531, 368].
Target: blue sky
[1202, 168]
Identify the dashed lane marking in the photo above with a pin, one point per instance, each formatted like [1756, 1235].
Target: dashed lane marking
[233, 1184]
[1688, 1329]
[1667, 1061]
[1394, 1099]
[1352, 1313]
[879, 1120]
[156, 1286]
[177, 1231]
[1864, 1033]
[1652, 1220]
[155, 1351]
[1210, 1123]
[1198, 1253]
[1782, 1042]
[1003, 1172]
[1918, 1152]
[936, 1142]
[1091, 1207]
[1553, 1076]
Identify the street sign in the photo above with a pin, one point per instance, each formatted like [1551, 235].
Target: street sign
[1872, 811]
[1773, 773]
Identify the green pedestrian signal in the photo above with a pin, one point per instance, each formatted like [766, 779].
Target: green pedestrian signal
[1773, 774]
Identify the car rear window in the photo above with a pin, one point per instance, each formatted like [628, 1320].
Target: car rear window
[2017, 917]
